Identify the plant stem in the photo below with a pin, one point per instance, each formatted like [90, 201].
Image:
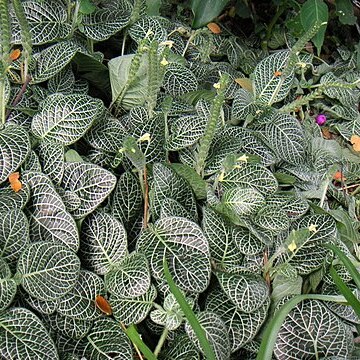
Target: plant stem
[161, 341]
[2, 99]
[146, 198]
[123, 43]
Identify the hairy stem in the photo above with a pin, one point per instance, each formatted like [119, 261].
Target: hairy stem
[161, 341]
[2, 99]
[146, 199]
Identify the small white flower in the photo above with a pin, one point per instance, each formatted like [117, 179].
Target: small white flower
[145, 137]
[217, 85]
[243, 158]
[164, 62]
[313, 228]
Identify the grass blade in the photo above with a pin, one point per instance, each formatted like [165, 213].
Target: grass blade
[347, 263]
[134, 336]
[345, 290]
[272, 329]
[190, 316]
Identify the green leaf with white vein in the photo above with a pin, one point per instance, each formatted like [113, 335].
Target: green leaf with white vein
[48, 218]
[185, 247]
[107, 341]
[147, 27]
[130, 277]
[23, 336]
[247, 291]
[103, 242]
[52, 60]
[242, 327]
[247, 242]
[8, 286]
[171, 316]
[14, 235]
[70, 327]
[216, 333]
[47, 22]
[310, 253]
[178, 80]
[90, 182]
[103, 23]
[135, 309]
[185, 131]
[65, 118]
[253, 176]
[168, 184]
[243, 201]
[14, 148]
[218, 231]
[311, 330]
[79, 301]
[47, 271]
[51, 157]
[10, 200]
[285, 136]
[63, 82]
[180, 348]
[272, 218]
[268, 87]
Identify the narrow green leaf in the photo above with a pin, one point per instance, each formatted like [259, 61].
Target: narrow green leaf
[344, 289]
[347, 263]
[134, 336]
[272, 329]
[191, 317]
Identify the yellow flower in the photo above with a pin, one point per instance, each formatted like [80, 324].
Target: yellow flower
[145, 137]
[292, 247]
[164, 62]
[217, 85]
[313, 228]
[243, 158]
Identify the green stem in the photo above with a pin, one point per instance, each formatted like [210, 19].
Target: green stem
[2, 99]
[75, 17]
[161, 341]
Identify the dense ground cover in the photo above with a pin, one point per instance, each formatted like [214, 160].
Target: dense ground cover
[179, 179]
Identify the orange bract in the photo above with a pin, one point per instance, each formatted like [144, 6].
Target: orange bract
[15, 182]
[15, 54]
[214, 28]
[103, 305]
[339, 176]
[355, 141]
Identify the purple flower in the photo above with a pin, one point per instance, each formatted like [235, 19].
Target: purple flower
[320, 119]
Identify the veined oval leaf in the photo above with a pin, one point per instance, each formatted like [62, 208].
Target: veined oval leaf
[242, 327]
[103, 242]
[65, 118]
[107, 340]
[272, 218]
[23, 336]
[216, 333]
[48, 271]
[52, 60]
[130, 277]
[14, 148]
[135, 309]
[91, 183]
[248, 292]
[8, 286]
[179, 80]
[14, 235]
[185, 247]
[243, 201]
[79, 302]
[48, 218]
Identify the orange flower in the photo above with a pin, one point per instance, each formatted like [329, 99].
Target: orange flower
[277, 73]
[103, 305]
[214, 28]
[15, 182]
[15, 54]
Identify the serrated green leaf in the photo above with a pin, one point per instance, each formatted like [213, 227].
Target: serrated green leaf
[48, 271]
